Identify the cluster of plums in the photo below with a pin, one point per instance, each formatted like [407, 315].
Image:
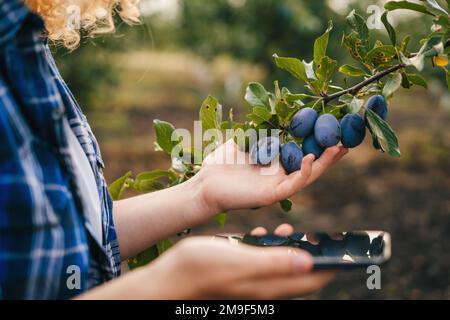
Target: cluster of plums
[318, 133]
[355, 244]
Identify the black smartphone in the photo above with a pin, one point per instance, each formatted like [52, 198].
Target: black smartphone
[337, 250]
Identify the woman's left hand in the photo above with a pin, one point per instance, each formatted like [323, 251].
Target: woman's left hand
[227, 184]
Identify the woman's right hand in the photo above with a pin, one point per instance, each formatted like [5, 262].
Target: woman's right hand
[202, 268]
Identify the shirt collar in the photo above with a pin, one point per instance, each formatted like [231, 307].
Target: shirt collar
[13, 13]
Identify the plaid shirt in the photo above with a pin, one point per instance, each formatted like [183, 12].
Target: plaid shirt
[45, 247]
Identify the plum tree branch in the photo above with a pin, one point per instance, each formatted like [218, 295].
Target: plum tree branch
[356, 88]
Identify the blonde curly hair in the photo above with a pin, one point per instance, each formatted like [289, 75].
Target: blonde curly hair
[67, 20]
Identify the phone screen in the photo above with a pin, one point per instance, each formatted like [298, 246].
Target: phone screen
[331, 250]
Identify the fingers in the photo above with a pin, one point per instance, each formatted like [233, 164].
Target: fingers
[259, 231]
[295, 181]
[275, 262]
[286, 287]
[328, 158]
[284, 230]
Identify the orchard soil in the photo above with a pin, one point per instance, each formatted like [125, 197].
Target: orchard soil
[409, 197]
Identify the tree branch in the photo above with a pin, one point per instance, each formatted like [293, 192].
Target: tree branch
[356, 88]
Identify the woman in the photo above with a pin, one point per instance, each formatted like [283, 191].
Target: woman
[60, 233]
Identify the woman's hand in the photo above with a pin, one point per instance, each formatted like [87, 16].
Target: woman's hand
[227, 184]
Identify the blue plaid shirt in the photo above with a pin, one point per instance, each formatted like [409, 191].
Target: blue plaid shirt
[46, 252]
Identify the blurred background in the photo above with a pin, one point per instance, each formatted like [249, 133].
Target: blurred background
[186, 50]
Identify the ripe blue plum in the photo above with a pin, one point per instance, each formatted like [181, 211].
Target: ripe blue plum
[302, 123]
[296, 236]
[312, 249]
[357, 244]
[265, 150]
[327, 131]
[332, 248]
[353, 130]
[377, 246]
[310, 146]
[378, 105]
[291, 157]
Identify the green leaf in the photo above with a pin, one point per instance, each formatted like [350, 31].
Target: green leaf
[286, 205]
[351, 71]
[257, 96]
[389, 28]
[164, 246]
[392, 84]
[259, 115]
[152, 181]
[358, 24]
[221, 219]
[292, 65]
[211, 114]
[282, 110]
[417, 80]
[355, 46]
[405, 81]
[353, 104]
[395, 5]
[325, 68]
[434, 7]
[164, 134]
[143, 258]
[381, 55]
[117, 187]
[383, 134]
[321, 44]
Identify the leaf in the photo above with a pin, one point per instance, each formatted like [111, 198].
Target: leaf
[351, 71]
[381, 55]
[282, 110]
[435, 8]
[210, 114]
[357, 49]
[143, 258]
[447, 77]
[117, 187]
[358, 24]
[395, 5]
[292, 65]
[383, 134]
[164, 246]
[164, 134]
[221, 219]
[325, 68]
[151, 181]
[417, 80]
[257, 96]
[286, 205]
[321, 44]
[405, 81]
[389, 28]
[259, 115]
[393, 84]
[353, 104]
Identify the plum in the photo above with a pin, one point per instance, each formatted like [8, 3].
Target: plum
[312, 249]
[357, 244]
[296, 236]
[332, 248]
[377, 246]
[353, 130]
[310, 146]
[291, 157]
[302, 123]
[265, 150]
[327, 131]
[378, 105]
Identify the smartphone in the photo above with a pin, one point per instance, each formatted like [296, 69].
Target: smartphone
[337, 250]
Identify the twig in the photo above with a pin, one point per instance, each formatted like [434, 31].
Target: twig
[356, 88]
